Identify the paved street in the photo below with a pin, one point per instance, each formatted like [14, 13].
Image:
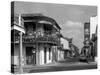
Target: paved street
[64, 65]
[61, 66]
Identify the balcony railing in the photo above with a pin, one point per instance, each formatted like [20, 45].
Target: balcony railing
[39, 39]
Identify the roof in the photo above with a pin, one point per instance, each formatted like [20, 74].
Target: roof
[39, 16]
[68, 39]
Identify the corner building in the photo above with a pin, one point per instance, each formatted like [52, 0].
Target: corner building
[40, 41]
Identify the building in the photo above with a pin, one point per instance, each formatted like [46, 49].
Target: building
[90, 38]
[93, 36]
[64, 51]
[86, 49]
[68, 50]
[93, 25]
[39, 43]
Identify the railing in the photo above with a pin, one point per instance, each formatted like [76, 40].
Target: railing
[40, 39]
[47, 40]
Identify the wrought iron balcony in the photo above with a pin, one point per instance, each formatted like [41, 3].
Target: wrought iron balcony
[39, 39]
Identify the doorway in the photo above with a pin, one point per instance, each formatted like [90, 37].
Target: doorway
[45, 55]
[30, 56]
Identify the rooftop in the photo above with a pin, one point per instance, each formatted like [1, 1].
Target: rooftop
[40, 17]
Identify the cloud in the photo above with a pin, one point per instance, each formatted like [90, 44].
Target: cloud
[72, 27]
[74, 30]
[72, 23]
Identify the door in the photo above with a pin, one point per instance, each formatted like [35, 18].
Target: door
[30, 56]
[45, 54]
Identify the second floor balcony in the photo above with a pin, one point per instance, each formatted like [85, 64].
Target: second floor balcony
[38, 29]
[39, 39]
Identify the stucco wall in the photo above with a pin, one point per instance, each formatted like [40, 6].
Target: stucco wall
[60, 55]
[65, 43]
[41, 59]
[15, 58]
[48, 60]
[41, 56]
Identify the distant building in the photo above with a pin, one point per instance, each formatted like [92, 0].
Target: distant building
[86, 48]
[62, 53]
[93, 25]
[93, 36]
[90, 38]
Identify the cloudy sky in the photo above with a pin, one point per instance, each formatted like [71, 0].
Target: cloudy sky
[71, 18]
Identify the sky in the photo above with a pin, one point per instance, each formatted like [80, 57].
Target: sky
[70, 18]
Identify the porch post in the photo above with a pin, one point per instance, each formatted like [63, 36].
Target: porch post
[37, 56]
[20, 54]
[21, 48]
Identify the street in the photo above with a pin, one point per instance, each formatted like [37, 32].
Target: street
[61, 66]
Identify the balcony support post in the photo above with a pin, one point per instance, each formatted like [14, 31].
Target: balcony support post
[20, 54]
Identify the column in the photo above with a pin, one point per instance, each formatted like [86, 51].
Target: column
[37, 60]
[41, 55]
[47, 55]
[20, 54]
[38, 55]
